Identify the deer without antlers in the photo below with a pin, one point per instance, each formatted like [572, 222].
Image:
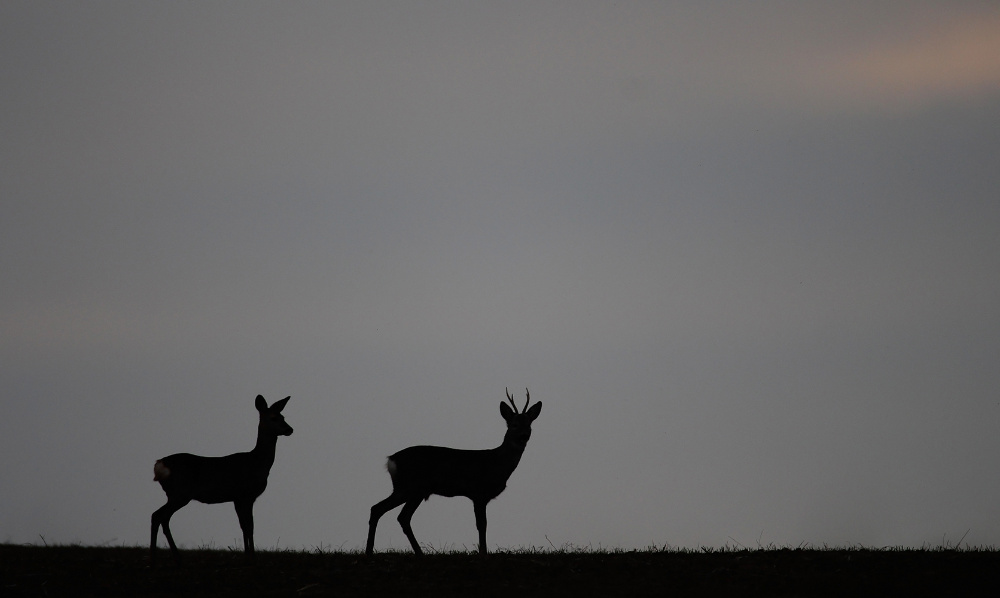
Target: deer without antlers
[239, 478]
[420, 471]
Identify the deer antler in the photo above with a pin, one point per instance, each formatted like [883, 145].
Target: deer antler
[527, 397]
[510, 398]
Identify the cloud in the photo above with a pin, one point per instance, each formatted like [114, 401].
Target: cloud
[955, 59]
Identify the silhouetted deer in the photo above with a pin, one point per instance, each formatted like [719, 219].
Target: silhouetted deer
[238, 478]
[419, 471]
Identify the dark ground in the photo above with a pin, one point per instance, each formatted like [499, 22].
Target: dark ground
[88, 571]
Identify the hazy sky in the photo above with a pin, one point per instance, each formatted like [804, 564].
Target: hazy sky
[746, 254]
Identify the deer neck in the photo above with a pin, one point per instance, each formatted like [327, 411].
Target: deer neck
[509, 453]
[265, 448]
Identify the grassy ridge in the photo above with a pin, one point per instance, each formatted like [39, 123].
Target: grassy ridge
[88, 571]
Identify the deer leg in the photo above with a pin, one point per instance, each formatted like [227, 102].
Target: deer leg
[244, 510]
[480, 508]
[162, 517]
[379, 509]
[404, 521]
[153, 532]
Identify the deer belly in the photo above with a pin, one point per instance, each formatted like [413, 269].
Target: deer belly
[212, 493]
[466, 485]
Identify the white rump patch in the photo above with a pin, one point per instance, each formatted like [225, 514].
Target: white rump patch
[160, 471]
[390, 466]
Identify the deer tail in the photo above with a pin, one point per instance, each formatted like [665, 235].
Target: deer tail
[160, 471]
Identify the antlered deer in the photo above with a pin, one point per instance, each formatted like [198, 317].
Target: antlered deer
[239, 478]
[420, 471]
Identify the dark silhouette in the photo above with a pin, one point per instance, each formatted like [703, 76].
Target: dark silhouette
[419, 471]
[239, 478]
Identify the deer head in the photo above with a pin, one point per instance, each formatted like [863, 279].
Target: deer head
[519, 423]
[272, 423]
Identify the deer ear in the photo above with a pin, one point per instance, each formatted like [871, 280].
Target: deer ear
[277, 406]
[505, 411]
[260, 403]
[533, 411]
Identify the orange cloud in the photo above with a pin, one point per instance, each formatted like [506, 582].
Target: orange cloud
[958, 60]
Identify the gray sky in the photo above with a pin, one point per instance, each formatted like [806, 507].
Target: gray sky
[745, 253]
